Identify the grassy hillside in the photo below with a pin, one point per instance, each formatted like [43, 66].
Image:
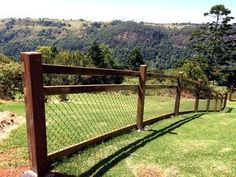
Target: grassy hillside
[160, 44]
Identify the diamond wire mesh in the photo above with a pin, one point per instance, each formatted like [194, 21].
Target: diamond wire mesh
[87, 115]
[212, 104]
[203, 100]
[159, 102]
[187, 100]
[233, 96]
[219, 104]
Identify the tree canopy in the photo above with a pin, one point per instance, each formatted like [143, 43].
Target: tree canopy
[213, 41]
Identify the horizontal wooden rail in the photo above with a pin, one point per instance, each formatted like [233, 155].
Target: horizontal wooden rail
[159, 118]
[205, 88]
[81, 145]
[68, 89]
[60, 69]
[158, 86]
[213, 91]
[189, 89]
[162, 76]
[190, 81]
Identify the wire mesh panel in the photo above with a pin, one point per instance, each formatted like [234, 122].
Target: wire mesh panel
[203, 99]
[202, 104]
[187, 101]
[219, 104]
[212, 104]
[159, 102]
[74, 118]
[234, 96]
[188, 95]
[160, 96]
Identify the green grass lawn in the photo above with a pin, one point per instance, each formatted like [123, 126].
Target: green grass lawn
[189, 145]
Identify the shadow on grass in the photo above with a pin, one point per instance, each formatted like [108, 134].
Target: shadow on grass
[229, 110]
[103, 166]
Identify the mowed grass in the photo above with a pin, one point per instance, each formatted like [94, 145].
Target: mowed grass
[85, 116]
[189, 145]
[197, 144]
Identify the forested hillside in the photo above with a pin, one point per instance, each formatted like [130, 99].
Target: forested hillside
[160, 45]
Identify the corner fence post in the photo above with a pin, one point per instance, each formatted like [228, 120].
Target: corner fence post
[197, 96]
[35, 111]
[141, 96]
[178, 93]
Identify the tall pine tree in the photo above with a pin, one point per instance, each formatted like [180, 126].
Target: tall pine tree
[135, 59]
[212, 41]
[96, 54]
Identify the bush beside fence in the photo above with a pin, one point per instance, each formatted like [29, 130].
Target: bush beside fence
[56, 129]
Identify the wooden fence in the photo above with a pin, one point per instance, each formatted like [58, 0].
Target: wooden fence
[232, 89]
[35, 93]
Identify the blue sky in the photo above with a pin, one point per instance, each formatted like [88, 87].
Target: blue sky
[158, 11]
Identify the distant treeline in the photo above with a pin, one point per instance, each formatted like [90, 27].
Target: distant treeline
[160, 45]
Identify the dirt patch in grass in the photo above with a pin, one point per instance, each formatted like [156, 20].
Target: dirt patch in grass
[147, 171]
[12, 158]
[172, 171]
[13, 172]
[8, 122]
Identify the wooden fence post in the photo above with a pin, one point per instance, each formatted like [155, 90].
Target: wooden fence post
[216, 103]
[225, 101]
[197, 96]
[141, 96]
[231, 90]
[221, 101]
[208, 101]
[178, 93]
[35, 111]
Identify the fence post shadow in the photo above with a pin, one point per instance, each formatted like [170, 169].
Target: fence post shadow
[104, 165]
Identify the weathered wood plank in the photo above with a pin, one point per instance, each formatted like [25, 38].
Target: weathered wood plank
[160, 86]
[35, 111]
[178, 94]
[141, 96]
[190, 81]
[69, 89]
[162, 76]
[60, 69]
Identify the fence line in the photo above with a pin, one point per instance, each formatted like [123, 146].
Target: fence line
[232, 89]
[41, 124]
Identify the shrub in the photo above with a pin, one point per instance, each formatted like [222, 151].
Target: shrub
[10, 80]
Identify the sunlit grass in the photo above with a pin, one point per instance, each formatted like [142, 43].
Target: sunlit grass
[190, 145]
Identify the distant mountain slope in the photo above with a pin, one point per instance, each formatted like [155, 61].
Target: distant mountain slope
[160, 45]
